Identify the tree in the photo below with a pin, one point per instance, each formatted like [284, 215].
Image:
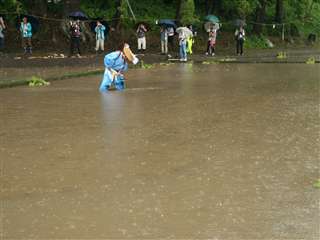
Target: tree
[260, 16]
[279, 11]
[120, 14]
[186, 11]
[178, 9]
[71, 6]
[38, 7]
[213, 6]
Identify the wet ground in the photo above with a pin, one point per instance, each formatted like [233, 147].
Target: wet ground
[186, 152]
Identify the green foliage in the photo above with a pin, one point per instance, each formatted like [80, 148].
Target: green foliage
[11, 5]
[98, 8]
[187, 12]
[256, 42]
[145, 65]
[150, 10]
[239, 8]
[37, 82]
[124, 10]
[317, 184]
[311, 60]
[243, 8]
[303, 15]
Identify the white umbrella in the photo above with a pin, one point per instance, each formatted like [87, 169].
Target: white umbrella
[185, 30]
[209, 25]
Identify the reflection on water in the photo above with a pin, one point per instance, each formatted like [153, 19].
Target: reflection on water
[186, 151]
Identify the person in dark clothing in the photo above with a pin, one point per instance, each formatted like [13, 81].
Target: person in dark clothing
[170, 31]
[240, 37]
[141, 34]
[75, 32]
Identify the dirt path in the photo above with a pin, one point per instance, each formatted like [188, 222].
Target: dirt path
[52, 66]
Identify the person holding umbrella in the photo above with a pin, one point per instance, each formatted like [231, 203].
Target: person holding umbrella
[26, 32]
[164, 40]
[169, 25]
[170, 30]
[183, 46]
[2, 27]
[75, 32]
[212, 25]
[99, 29]
[211, 42]
[212, 29]
[240, 37]
[141, 34]
[184, 34]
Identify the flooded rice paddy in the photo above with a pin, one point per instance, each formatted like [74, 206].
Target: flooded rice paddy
[185, 152]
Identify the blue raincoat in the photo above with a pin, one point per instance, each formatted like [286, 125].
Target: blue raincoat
[115, 63]
[26, 30]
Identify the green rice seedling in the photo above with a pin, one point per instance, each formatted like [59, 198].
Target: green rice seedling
[311, 60]
[37, 82]
[317, 184]
[282, 55]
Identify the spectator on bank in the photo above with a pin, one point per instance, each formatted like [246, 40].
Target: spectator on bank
[100, 36]
[211, 42]
[75, 34]
[164, 40]
[26, 33]
[2, 27]
[240, 37]
[190, 40]
[183, 46]
[170, 31]
[141, 35]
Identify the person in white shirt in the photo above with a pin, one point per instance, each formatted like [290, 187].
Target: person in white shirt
[141, 34]
[183, 46]
[240, 38]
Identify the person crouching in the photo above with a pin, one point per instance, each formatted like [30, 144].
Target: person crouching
[116, 63]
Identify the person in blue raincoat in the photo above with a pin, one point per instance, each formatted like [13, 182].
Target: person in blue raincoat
[99, 29]
[116, 63]
[26, 32]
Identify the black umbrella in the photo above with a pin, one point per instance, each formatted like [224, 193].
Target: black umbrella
[31, 19]
[93, 25]
[167, 23]
[78, 16]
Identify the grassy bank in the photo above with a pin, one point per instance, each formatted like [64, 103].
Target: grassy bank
[148, 61]
[20, 82]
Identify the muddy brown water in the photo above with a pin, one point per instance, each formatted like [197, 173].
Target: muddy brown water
[185, 152]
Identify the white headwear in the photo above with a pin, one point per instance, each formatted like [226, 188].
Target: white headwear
[129, 55]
